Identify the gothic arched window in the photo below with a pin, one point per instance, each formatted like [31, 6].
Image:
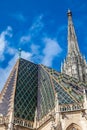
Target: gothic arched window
[73, 127]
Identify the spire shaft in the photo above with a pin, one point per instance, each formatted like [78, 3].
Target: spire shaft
[72, 39]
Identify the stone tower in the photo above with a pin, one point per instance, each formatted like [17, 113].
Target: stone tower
[74, 64]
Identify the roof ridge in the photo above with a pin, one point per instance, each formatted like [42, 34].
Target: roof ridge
[6, 84]
[6, 97]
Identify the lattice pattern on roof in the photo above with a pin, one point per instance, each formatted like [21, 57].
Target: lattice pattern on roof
[35, 89]
[63, 96]
[69, 90]
[46, 98]
[26, 90]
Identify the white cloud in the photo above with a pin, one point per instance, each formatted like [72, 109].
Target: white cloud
[4, 41]
[51, 50]
[26, 55]
[37, 24]
[33, 31]
[7, 32]
[11, 51]
[35, 49]
[36, 56]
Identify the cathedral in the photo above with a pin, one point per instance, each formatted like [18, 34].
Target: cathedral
[36, 97]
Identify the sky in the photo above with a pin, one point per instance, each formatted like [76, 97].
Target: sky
[39, 28]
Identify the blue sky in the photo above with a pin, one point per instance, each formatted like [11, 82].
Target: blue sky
[39, 28]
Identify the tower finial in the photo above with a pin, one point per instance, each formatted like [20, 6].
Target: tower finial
[69, 13]
[19, 53]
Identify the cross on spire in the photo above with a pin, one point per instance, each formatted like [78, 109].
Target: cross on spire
[19, 53]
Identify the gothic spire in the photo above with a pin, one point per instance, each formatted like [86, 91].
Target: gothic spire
[74, 64]
[72, 39]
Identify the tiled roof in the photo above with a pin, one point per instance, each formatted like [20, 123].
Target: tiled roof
[32, 87]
